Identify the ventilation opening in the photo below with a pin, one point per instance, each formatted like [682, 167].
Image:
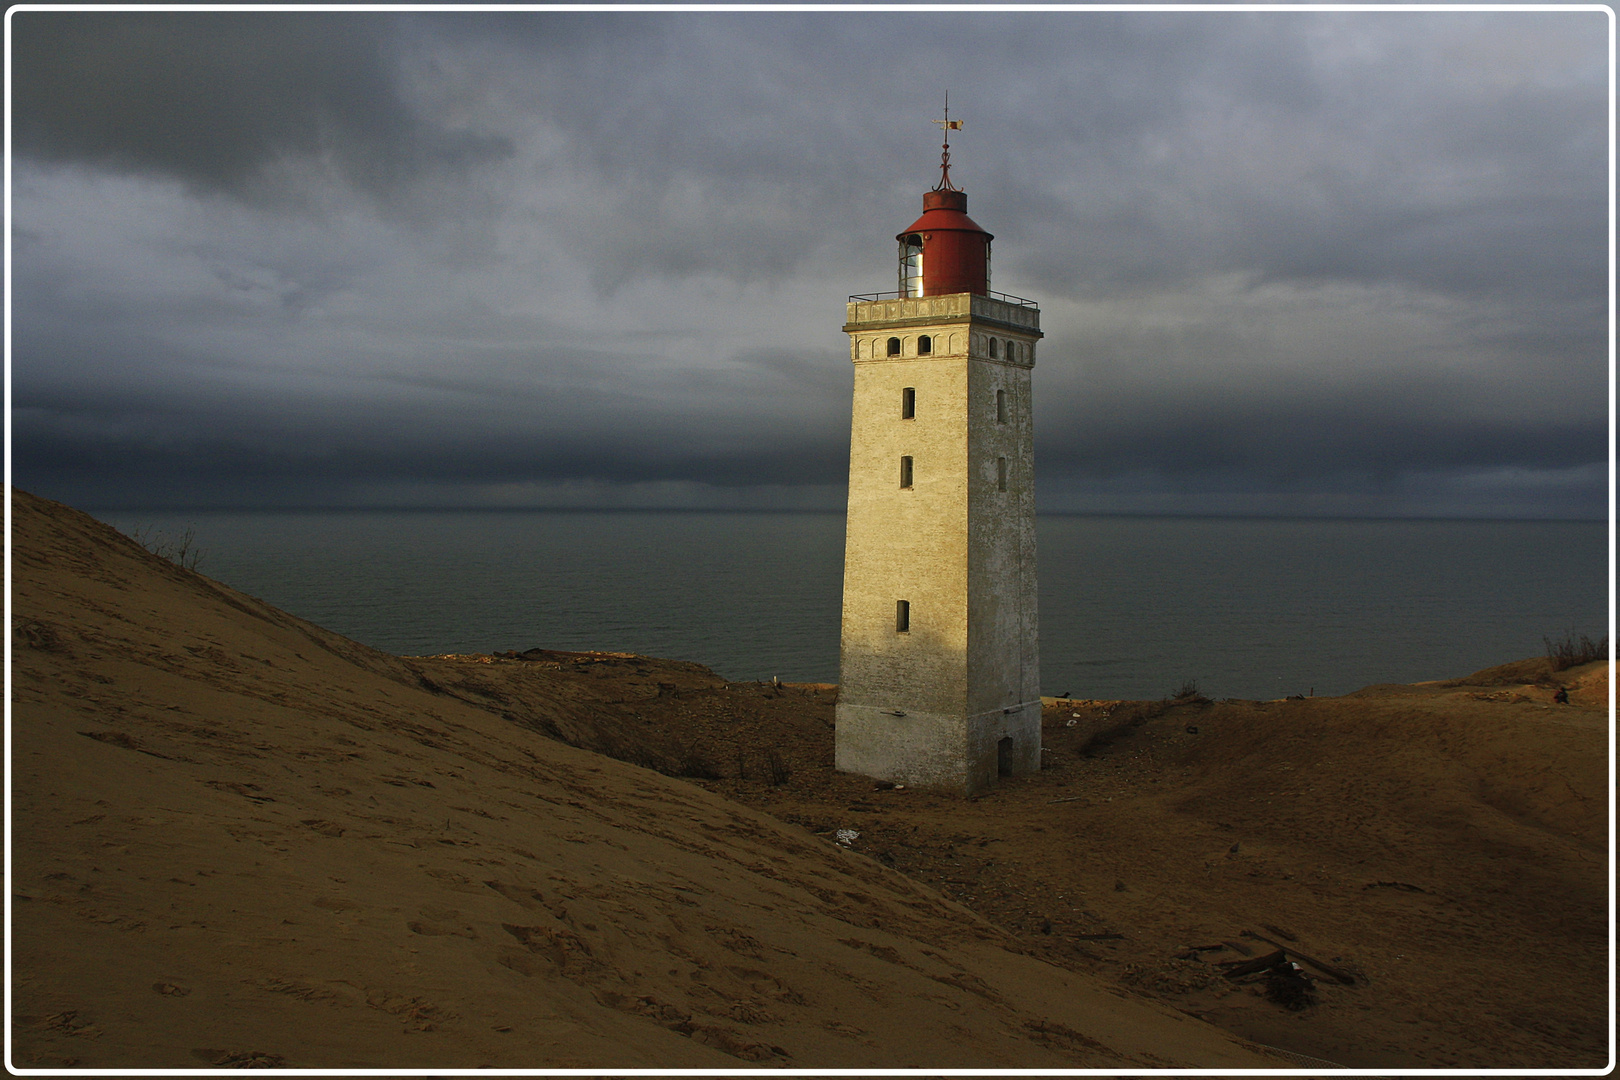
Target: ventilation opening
[902, 619]
[894, 346]
[905, 472]
[925, 345]
[908, 403]
[1001, 474]
[1001, 406]
[1004, 756]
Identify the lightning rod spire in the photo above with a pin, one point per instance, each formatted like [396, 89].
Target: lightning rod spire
[946, 126]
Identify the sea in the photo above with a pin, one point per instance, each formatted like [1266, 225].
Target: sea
[1130, 607]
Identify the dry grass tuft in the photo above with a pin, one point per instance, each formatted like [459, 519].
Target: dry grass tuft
[1572, 651]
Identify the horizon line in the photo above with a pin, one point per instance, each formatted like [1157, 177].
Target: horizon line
[504, 509]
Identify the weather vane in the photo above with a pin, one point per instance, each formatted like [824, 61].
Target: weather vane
[946, 126]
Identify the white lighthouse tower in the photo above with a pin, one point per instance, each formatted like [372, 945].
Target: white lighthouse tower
[939, 681]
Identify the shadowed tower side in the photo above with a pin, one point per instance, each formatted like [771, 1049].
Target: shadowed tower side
[939, 667]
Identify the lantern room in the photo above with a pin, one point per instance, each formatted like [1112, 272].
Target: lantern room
[944, 251]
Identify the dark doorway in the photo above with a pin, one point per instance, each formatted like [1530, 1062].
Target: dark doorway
[1004, 753]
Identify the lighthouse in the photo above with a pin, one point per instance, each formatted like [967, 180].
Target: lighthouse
[939, 677]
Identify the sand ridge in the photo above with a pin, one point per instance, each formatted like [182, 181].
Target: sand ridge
[241, 840]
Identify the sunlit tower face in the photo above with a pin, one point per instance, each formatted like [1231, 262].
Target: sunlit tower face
[911, 265]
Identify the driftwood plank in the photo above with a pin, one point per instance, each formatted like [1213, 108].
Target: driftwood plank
[1240, 968]
[1325, 968]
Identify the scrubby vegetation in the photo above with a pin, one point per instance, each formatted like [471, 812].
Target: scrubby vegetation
[181, 550]
[1188, 692]
[1573, 650]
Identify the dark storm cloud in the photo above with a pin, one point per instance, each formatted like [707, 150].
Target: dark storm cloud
[495, 406]
[137, 444]
[1276, 251]
[240, 455]
[216, 99]
[1287, 442]
[1327, 147]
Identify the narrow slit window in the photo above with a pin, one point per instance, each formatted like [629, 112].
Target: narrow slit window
[894, 346]
[925, 345]
[908, 403]
[902, 616]
[995, 347]
[1001, 406]
[1001, 474]
[905, 472]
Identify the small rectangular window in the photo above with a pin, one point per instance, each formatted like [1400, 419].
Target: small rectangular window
[905, 472]
[1001, 474]
[1001, 406]
[902, 616]
[908, 403]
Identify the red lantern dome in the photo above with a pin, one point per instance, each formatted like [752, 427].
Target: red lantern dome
[944, 251]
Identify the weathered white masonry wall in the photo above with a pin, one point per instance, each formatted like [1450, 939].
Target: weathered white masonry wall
[953, 699]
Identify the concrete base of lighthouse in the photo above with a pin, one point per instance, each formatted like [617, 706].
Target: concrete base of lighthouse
[963, 754]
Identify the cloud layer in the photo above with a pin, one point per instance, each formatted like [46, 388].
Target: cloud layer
[1288, 262]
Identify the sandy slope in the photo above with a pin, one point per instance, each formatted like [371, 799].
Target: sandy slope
[242, 840]
[1446, 843]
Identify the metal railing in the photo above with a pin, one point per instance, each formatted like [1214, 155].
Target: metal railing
[1005, 298]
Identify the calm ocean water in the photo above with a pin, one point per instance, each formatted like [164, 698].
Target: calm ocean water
[1130, 607]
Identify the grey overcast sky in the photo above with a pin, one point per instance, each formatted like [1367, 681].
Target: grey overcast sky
[1288, 262]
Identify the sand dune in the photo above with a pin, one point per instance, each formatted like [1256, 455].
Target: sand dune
[241, 840]
[1445, 843]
